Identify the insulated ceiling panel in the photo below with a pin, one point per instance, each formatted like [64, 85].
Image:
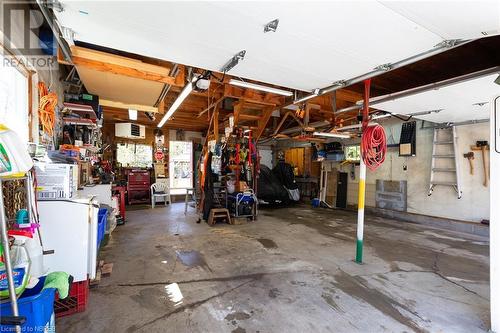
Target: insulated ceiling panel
[464, 101]
[316, 42]
[449, 19]
[120, 88]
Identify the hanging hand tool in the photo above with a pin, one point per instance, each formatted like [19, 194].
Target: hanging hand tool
[470, 157]
[483, 146]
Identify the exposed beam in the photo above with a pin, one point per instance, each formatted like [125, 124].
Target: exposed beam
[252, 96]
[138, 107]
[263, 122]
[237, 110]
[111, 63]
[249, 117]
[216, 122]
[211, 106]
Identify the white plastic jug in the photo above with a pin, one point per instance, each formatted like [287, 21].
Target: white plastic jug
[35, 254]
[14, 157]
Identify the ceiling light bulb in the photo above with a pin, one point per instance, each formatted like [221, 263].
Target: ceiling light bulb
[132, 114]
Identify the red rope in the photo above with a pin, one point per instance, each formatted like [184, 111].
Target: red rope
[373, 146]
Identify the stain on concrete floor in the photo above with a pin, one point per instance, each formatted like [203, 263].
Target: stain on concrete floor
[275, 292]
[237, 316]
[238, 330]
[192, 259]
[357, 288]
[267, 243]
[329, 299]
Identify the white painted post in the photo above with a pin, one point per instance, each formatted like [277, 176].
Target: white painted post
[495, 215]
[361, 211]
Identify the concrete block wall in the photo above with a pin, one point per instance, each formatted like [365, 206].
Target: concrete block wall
[474, 204]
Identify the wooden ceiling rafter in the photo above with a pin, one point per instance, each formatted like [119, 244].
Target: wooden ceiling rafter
[253, 108]
[252, 96]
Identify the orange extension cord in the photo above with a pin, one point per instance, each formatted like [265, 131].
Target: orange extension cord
[373, 146]
[373, 140]
[46, 108]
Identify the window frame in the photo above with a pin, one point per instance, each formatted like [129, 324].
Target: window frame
[28, 74]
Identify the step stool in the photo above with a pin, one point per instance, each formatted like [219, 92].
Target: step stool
[218, 213]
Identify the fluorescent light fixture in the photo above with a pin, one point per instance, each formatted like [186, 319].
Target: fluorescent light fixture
[260, 87]
[132, 114]
[314, 93]
[332, 135]
[182, 96]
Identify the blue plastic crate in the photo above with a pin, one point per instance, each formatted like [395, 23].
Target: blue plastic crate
[37, 306]
[102, 220]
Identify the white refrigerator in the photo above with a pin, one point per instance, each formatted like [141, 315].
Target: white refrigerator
[68, 227]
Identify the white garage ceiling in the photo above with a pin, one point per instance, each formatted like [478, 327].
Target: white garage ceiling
[316, 42]
[459, 102]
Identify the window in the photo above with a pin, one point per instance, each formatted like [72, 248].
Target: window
[14, 99]
[352, 153]
[134, 155]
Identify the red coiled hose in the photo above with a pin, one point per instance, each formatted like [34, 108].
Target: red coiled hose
[373, 146]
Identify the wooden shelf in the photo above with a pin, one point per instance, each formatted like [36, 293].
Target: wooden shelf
[79, 121]
[82, 110]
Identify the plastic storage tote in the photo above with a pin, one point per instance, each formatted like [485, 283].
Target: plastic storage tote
[37, 306]
[101, 226]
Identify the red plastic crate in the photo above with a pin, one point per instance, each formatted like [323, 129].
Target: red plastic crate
[75, 302]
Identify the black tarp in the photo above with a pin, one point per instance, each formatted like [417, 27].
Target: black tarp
[284, 172]
[270, 188]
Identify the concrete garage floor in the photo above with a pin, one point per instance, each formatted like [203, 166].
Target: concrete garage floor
[290, 271]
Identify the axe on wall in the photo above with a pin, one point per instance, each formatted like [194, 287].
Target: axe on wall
[483, 146]
[470, 157]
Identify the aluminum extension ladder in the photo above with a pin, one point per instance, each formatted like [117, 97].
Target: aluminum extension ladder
[445, 168]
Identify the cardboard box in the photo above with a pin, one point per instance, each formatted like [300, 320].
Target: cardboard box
[56, 181]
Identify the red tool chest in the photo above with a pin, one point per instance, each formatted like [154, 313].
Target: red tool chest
[138, 186]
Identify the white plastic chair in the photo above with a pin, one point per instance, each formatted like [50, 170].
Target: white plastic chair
[160, 190]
